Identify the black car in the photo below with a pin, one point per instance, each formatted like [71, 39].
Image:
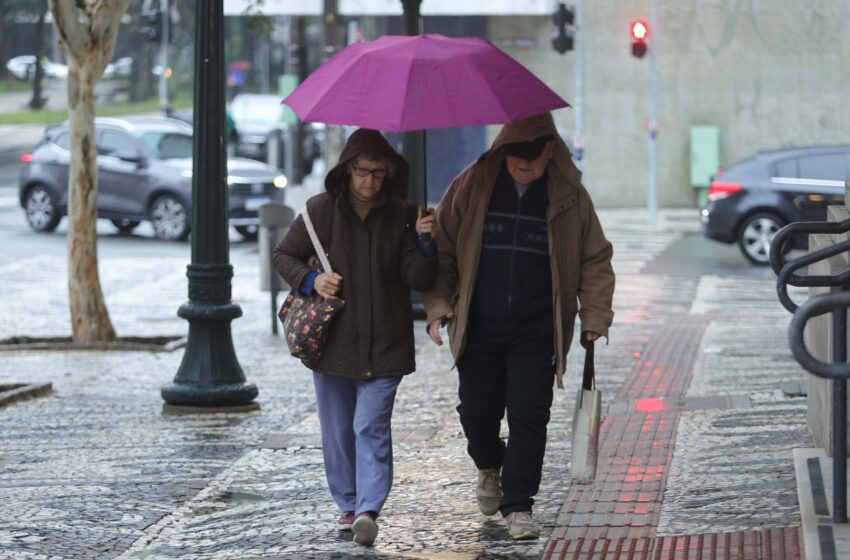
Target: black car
[751, 200]
[144, 173]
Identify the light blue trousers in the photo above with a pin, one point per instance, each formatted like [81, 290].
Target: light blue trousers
[357, 441]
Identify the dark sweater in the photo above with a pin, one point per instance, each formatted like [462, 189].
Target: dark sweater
[514, 281]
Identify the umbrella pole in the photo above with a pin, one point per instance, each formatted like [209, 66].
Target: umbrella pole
[425, 169]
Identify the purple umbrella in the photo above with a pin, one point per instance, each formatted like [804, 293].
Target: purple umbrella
[403, 83]
[406, 83]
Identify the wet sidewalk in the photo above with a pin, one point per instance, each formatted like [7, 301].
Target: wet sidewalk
[696, 455]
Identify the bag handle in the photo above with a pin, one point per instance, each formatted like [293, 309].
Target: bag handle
[588, 381]
[320, 252]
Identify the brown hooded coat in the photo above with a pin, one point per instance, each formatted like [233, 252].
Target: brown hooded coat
[579, 253]
[379, 263]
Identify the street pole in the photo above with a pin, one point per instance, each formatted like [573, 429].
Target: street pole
[578, 139]
[163, 58]
[652, 201]
[334, 135]
[413, 143]
[209, 375]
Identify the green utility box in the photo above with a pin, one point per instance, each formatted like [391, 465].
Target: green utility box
[705, 158]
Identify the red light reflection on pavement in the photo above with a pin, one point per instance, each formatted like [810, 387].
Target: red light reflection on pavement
[650, 405]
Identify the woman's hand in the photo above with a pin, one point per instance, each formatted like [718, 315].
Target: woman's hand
[434, 328]
[426, 224]
[328, 285]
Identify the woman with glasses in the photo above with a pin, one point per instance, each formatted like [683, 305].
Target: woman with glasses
[375, 242]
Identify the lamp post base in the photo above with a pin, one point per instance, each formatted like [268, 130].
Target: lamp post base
[209, 375]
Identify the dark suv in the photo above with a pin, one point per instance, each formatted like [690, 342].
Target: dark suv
[751, 200]
[144, 173]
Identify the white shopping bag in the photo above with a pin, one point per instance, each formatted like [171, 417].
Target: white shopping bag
[586, 420]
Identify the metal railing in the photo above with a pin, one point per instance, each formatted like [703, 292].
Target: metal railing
[837, 304]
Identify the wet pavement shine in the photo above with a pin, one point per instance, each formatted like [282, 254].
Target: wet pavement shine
[696, 454]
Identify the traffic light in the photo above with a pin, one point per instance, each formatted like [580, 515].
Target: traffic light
[639, 31]
[562, 37]
[152, 26]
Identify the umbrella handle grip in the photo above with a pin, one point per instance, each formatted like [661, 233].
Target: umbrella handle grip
[424, 211]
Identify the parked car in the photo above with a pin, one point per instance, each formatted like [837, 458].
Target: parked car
[23, 68]
[119, 68]
[258, 116]
[751, 200]
[144, 173]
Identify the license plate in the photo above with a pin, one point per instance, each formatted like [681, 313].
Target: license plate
[255, 203]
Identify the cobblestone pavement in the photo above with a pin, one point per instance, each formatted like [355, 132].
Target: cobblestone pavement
[97, 470]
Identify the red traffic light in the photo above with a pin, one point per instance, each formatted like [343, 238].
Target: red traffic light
[639, 30]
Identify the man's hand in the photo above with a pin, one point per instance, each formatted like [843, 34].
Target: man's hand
[590, 336]
[328, 285]
[434, 328]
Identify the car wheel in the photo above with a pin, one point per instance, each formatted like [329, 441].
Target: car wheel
[41, 211]
[125, 227]
[169, 218]
[249, 233]
[755, 235]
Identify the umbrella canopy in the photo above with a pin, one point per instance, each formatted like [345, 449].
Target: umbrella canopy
[403, 83]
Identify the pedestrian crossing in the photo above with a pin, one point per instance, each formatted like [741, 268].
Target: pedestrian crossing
[636, 243]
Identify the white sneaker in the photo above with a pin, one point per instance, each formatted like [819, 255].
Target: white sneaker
[489, 491]
[521, 526]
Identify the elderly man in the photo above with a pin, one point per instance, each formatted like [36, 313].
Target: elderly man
[521, 253]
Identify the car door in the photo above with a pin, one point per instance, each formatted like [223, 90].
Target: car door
[122, 173]
[815, 181]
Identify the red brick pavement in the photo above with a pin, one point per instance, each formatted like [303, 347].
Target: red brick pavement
[617, 516]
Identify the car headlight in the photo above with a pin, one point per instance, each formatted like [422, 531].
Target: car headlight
[279, 182]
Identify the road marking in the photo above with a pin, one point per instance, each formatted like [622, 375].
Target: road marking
[8, 201]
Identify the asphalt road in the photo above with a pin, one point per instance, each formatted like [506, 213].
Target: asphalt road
[17, 238]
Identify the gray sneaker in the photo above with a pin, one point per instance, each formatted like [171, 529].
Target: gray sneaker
[521, 526]
[489, 491]
[365, 529]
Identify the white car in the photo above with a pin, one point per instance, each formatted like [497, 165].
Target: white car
[23, 68]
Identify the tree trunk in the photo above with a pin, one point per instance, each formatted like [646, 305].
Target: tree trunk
[88, 32]
[37, 101]
[89, 316]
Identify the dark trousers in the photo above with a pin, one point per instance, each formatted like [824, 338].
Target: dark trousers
[508, 366]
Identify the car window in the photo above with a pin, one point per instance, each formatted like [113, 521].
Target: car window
[786, 168]
[831, 167]
[63, 140]
[111, 142]
[168, 145]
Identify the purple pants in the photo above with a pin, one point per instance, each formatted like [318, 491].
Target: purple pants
[357, 442]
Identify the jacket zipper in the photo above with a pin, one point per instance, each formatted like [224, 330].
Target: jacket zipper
[513, 251]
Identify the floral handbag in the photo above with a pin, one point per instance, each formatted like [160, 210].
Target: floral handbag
[307, 319]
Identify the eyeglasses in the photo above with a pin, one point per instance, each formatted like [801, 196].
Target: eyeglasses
[377, 172]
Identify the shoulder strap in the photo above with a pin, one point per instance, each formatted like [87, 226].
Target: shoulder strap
[320, 252]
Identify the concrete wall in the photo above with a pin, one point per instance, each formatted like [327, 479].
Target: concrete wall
[769, 73]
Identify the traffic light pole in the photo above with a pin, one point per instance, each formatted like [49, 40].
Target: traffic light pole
[652, 198]
[578, 139]
[163, 57]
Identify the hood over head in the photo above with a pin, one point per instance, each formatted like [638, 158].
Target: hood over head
[364, 142]
[520, 137]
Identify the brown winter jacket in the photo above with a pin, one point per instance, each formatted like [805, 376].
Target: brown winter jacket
[379, 263]
[580, 256]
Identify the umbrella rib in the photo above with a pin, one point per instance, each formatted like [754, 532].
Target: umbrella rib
[403, 104]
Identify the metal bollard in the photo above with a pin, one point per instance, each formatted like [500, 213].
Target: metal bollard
[275, 219]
